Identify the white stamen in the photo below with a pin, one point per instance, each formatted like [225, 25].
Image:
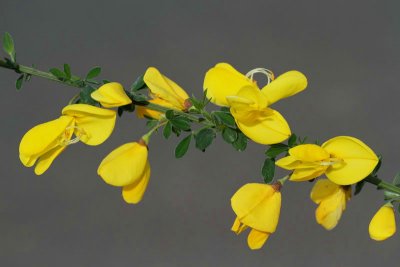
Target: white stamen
[331, 162]
[78, 135]
[266, 72]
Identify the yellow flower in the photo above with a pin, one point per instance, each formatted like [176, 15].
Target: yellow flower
[256, 206]
[332, 199]
[111, 95]
[127, 166]
[344, 160]
[164, 92]
[44, 142]
[249, 105]
[383, 224]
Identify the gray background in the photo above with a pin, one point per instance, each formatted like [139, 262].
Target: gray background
[70, 217]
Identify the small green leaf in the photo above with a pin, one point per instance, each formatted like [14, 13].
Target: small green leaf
[225, 109]
[396, 180]
[241, 142]
[276, 150]
[359, 186]
[196, 103]
[204, 138]
[85, 97]
[268, 170]
[138, 84]
[58, 73]
[390, 195]
[183, 147]
[167, 130]
[106, 81]
[27, 77]
[169, 114]
[229, 135]
[225, 118]
[67, 71]
[181, 123]
[93, 73]
[151, 123]
[19, 81]
[8, 46]
[292, 140]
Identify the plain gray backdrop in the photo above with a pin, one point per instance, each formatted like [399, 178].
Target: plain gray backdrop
[349, 50]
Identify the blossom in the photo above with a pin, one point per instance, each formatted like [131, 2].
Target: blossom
[256, 206]
[249, 105]
[127, 167]
[111, 95]
[164, 92]
[332, 199]
[44, 142]
[344, 160]
[383, 224]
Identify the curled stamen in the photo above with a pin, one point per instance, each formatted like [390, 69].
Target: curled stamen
[266, 72]
[330, 162]
[79, 132]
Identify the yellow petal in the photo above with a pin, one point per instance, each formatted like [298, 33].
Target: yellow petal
[238, 227]
[287, 84]
[133, 193]
[288, 162]
[358, 160]
[309, 152]
[265, 130]
[322, 189]
[223, 80]
[306, 174]
[94, 125]
[44, 162]
[124, 165]
[43, 138]
[257, 206]
[330, 210]
[111, 95]
[164, 88]
[383, 224]
[256, 239]
[142, 111]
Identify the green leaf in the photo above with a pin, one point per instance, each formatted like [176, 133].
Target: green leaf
[204, 138]
[58, 73]
[378, 166]
[241, 142]
[181, 123]
[359, 186]
[167, 130]
[67, 71]
[390, 195]
[225, 109]
[19, 81]
[85, 97]
[268, 170]
[138, 84]
[8, 46]
[396, 179]
[93, 73]
[276, 149]
[229, 135]
[106, 81]
[183, 147]
[292, 140]
[169, 114]
[151, 123]
[225, 118]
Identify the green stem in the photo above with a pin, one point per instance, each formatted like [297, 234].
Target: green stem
[382, 184]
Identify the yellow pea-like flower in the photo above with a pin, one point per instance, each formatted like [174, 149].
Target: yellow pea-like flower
[111, 95]
[383, 224]
[127, 166]
[44, 142]
[344, 160]
[249, 104]
[256, 206]
[331, 199]
[164, 92]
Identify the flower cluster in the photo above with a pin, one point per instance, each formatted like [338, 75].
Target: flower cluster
[245, 112]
